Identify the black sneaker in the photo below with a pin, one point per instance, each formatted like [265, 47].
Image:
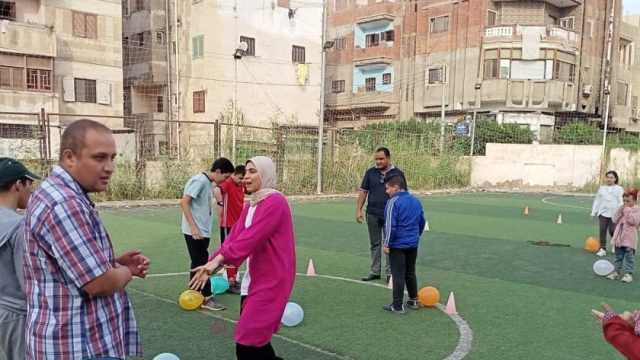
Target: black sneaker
[412, 304]
[234, 290]
[392, 309]
[371, 277]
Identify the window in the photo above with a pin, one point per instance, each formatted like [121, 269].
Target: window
[297, 54]
[199, 101]
[198, 47]
[85, 90]
[251, 45]
[138, 5]
[18, 131]
[589, 29]
[337, 86]
[159, 37]
[372, 40]
[490, 69]
[387, 35]
[622, 94]
[492, 18]
[386, 78]
[8, 10]
[38, 79]
[138, 40]
[340, 43]
[11, 77]
[439, 24]
[85, 25]
[125, 7]
[160, 104]
[567, 23]
[370, 84]
[564, 71]
[435, 75]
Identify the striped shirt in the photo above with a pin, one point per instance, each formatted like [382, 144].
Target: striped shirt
[67, 246]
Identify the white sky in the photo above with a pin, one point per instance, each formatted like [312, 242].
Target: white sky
[631, 7]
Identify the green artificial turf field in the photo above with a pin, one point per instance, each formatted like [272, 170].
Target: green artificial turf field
[520, 300]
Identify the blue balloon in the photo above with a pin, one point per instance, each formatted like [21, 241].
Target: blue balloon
[293, 314]
[166, 356]
[220, 284]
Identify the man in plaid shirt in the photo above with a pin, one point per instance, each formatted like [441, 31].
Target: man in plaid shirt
[77, 307]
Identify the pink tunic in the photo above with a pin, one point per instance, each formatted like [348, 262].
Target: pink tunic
[270, 243]
[627, 221]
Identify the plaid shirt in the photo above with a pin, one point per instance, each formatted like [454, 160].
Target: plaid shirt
[67, 247]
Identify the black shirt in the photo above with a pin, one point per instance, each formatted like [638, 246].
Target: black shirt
[373, 184]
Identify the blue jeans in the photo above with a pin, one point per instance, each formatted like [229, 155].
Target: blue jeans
[625, 260]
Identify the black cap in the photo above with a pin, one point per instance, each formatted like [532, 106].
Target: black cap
[11, 170]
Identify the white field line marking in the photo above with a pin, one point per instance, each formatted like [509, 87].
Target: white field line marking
[548, 201]
[461, 351]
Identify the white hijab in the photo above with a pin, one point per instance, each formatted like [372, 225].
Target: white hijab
[267, 172]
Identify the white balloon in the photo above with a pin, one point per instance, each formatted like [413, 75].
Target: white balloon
[166, 356]
[603, 267]
[293, 314]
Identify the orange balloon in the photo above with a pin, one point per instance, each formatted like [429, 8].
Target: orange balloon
[429, 296]
[592, 245]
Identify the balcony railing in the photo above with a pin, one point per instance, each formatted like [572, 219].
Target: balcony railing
[514, 33]
[30, 39]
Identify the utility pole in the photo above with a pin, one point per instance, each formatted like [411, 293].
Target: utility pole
[442, 112]
[607, 85]
[234, 128]
[322, 85]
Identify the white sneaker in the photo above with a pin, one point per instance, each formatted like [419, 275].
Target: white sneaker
[601, 253]
[613, 276]
[627, 278]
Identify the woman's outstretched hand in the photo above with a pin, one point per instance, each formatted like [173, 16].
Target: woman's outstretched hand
[202, 274]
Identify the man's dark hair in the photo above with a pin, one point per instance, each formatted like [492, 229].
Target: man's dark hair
[6, 187]
[240, 170]
[223, 164]
[74, 135]
[396, 180]
[386, 151]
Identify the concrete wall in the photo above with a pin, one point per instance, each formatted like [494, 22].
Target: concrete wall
[515, 165]
[536, 165]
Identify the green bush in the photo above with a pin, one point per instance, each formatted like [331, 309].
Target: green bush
[489, 131]
[579, 134]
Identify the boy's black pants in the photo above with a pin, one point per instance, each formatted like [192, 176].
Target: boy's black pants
[199, 254]
[403, 271]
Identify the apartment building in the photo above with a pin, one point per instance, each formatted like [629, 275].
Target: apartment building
[148, 74]
[264, 54]
[61, 56]
[527, 62]
[629, 61]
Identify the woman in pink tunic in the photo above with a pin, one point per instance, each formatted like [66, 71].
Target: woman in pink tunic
[264, 233]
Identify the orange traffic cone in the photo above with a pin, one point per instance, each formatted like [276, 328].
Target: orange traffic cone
[450, 309]
[311, 270]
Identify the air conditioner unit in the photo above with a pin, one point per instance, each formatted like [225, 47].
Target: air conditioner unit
[587, 90]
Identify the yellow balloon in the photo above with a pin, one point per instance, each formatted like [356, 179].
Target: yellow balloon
[190, 300]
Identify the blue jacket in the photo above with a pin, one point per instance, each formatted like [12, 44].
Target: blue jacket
[404, 221]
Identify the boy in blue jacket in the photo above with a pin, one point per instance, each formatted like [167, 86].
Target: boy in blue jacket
[404, 224]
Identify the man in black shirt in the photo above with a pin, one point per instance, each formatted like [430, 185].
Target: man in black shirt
[372, 190]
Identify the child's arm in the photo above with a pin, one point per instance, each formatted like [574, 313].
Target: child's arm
[390, 223]
[596, 204]
[632, 217]
[622, 337]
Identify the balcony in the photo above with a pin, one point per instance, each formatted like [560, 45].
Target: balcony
[557, 3]
[529, 94]
[548, 34]
[29, 39]
[364, 98]
[385, 52]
